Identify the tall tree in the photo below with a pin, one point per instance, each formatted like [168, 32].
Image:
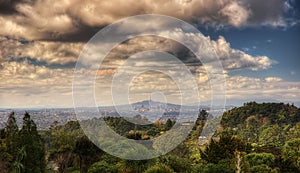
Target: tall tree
[11, 138]
[224, 148]
[63, 140]
[34, 147]
[88, 153]
[11, 127]
[169, 124]
[5, 157]
[11, 132]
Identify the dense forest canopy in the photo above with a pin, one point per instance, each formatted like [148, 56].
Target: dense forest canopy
[253, 138]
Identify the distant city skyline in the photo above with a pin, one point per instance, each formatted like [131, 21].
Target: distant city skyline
[257, 43]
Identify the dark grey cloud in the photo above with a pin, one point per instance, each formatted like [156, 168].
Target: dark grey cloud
[36, 62]
[8, 7]
[148, 43]
[266, 12]
[77, 20]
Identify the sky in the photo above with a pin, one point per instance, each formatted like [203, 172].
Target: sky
[41, 40]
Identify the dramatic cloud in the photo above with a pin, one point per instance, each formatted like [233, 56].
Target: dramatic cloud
[79, 20]
[66, 53]
[41, 40]
[237, 14]
[230, 58]
[24, 84]
[9, 6]
[50, 53]
[236, 59]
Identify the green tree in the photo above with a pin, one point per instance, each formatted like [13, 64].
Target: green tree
[34, 147]
[200, 122]
[260, 162]
[272, 135]
[10, 143]
[255, 159]
[134, 135]
[203, 115]
[291, 152]
[18, 167]
[293, 132]
[160, 168]
[88, 153]
[63, 140]
[176, 163]
[135, 166]
[224, 166]
[169, 124]
[262, 169]
[5, 157]
[224, 148]
[103, 166]
[11, 132]
[11, 127]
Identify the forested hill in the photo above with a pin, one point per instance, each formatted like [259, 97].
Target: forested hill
[265, 123]
[254, 138]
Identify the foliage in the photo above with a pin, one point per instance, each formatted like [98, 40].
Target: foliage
[88, 153]
[5, 157]
[31, 147]
[224, 148]
[224, 166]
[252, 138]
[160, 168]
[62, 143]
[291, 152]
[262, 169]
[264, 124]
[255, 159]
[103, 166]
[277, 113]
[176, 163]
[169, 124]
[135, 166]
[122, 126]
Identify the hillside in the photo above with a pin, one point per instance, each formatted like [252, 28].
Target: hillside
[262, 138]
[263, 124]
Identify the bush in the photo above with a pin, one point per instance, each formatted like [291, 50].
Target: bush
[262, 169]
[224, 166]
[214, 168]
[176, 163]
[103, 166]
[256, 159]
[161, 168]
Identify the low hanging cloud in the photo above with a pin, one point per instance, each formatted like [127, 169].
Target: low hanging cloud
[75, 20]
[242, 89]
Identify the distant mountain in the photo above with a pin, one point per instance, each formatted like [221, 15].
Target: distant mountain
[155, 105]
[150, 104]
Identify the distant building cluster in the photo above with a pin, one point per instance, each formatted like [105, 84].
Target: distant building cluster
[151, 110]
